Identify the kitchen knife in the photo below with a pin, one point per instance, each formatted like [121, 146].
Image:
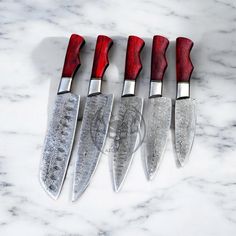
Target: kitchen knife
[95, 121]
[62, 125]
[185, 117]
[129, 114]
[158, 108]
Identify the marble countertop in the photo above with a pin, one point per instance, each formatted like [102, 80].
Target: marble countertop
[197, 200]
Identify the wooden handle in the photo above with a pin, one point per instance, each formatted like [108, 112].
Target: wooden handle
[72, 61]
[133, 64]
[184, 66]
[159, 62]
[100, 61]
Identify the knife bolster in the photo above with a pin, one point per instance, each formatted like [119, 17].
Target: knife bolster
[65, 85]
[155, 89]
[128, 88]
[183, 90]
[94, 86]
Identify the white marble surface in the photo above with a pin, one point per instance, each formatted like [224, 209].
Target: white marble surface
[198, 200]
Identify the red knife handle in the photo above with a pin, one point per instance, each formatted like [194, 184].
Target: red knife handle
[72, 61]
[159, 62]
[100, 61]
[133, 64]
[184, 66]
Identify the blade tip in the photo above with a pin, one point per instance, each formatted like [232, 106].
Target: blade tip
[181, 164]
[117, 185]
[77, 194]
[150, 171]
[55, 194]
[150, 176]
[74, 198]
[117, 188]
[182, 160]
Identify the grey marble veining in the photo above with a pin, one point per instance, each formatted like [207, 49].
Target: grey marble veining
[196, 200]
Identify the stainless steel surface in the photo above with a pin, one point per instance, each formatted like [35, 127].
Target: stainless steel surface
[58, 143]
[65, 85]
[185, 121]
[128, 88]
[91, 140]
[127, 130]
[95, 86]
[158, 113]
[155, 89]
[183, 90]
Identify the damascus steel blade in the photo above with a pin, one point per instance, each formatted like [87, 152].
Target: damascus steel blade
[58, 143]
[91, 141]
[185, 121]
[158, 124]
[127, 129]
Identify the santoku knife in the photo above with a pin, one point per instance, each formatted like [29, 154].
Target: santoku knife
[129, 114]
[95, 121]
[158, 108]
[60, 133]
[185, 117]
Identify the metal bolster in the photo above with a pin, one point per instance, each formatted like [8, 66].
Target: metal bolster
[155, 89]
[95, 86]
[65, 85]
[128, 88]
[183, 90]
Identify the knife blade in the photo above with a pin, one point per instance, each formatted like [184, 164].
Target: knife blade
[60, 133]
[185, 116]
[158, 109]
[95, 121]
[129, 114]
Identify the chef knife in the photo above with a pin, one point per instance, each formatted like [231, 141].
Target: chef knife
[60, 134]
[95, 121]
[158, 108]
[129, 114]
[185, 117]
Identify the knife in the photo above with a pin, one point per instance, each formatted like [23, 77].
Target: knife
[185, 117]
[158, 108]
[60, 133]
[95, 121]
[129, 114]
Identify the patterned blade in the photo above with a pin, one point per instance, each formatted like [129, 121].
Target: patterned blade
[158, 124]
[91, 141]
[58, 143]
[185, 121]
[127, 130]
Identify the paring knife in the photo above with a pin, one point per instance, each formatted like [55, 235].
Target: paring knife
[61, 130]
[185, 117]
[158, 108]
[129, 114]
[95, 121]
